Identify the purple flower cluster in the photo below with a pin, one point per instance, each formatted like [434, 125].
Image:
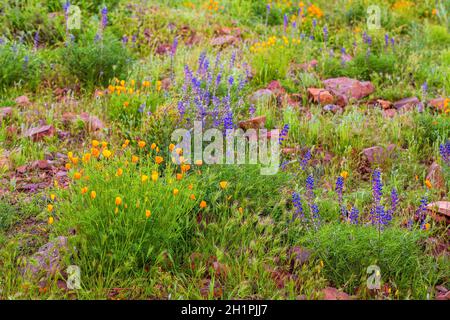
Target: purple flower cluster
[304, 162]
[325, 33]
[207, 97]
[421, 212]
[354, 215]
[379, 216]
[310, 197]
[297, 201]
[444, 150]
[339, 190]
[104, 17]
[283, 134]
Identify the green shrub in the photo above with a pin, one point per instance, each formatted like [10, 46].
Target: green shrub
[19, 66]
[95, 61]
[347, 250]
[437, 36]
[115, 237]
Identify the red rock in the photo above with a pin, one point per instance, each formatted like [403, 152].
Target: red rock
[390, 113]
[41, 164]
[5, 113]
[22, 101]
[260, 96]
[163, 49]
[443, 296]
[223, 31]
[436, 176]
[38, 133]
[289, 150]
[93, 122]
[334, 294]
[68, 117]
[205, 289]
[384, 104]
[166, 83]
[254, 123]
[276, 87]
[378, 154]
[346, 88]
[320, 95]
[346, 57]
[298, 256]
[440, 211]
[224, 40]
[407, 104]
[437, 103]
[306, 66]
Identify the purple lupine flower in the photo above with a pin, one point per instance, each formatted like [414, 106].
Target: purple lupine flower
[232, 60]
[230, 81]
[97, 37]
[354, 215]
[294, 25]
[252, 110]
[315, 212]
[421, 212]
[305, 160]
[310, 187]
[141, 108]
[339, 190]
[268, 7]
[424, 88]
[104, 17]
[377, 186]
[284, 133]
[302, 36]
[124, 40]
[394, 200]
[228, 120]
[2, 41]
[297, 201]
[386, 40]
[392, 43]
[26, 59]
[314, 22]
[285, 22]
[284, 164]
[325, 33]
[36, 40]
[444, 150]
[173, 50]
[311, 37]
[66, 6]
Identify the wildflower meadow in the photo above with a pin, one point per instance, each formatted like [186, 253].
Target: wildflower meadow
[224, 150]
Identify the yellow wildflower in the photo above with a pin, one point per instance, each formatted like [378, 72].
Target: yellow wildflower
[223, 184]
[141, 144]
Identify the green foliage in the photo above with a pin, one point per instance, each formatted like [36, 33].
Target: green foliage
[118, 237]
[8, 215]
[347, 250]
[96, 61]
[19, 66]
